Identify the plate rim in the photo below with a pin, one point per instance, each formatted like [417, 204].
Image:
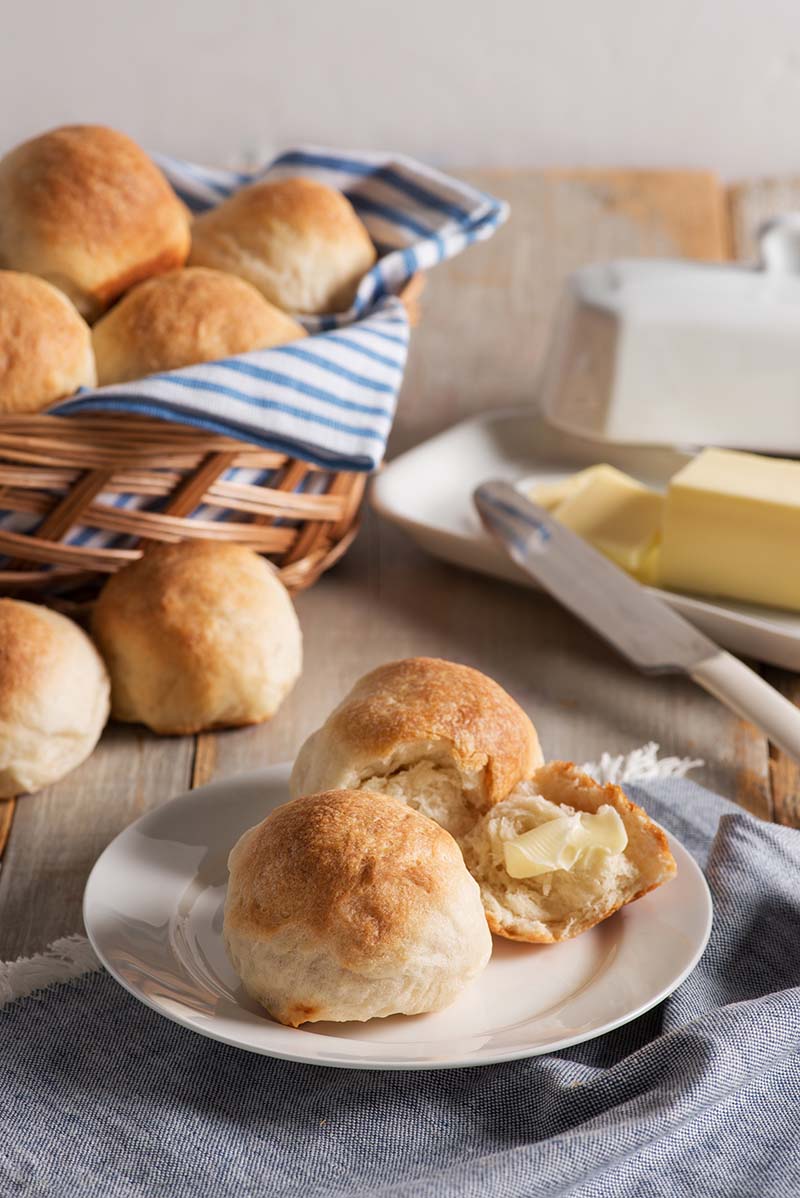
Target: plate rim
[498, 1057]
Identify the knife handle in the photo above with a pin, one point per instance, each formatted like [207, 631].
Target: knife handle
[746, 693]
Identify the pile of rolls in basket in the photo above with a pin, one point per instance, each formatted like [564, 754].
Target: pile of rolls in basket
[105, 278]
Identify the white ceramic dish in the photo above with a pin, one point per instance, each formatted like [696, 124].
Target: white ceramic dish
[428, 492]
[153, 912]
[682, 353]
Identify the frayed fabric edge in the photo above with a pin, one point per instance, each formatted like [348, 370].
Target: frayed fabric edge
[68, 958]
[639, 766]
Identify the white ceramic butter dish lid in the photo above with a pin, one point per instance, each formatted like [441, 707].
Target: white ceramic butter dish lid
[681, 353]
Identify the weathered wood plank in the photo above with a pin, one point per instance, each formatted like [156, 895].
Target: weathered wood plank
[58, 834]
[784, 771]
[6, 816]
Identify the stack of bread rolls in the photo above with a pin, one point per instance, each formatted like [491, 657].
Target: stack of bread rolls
[373, 890]
[92, 234]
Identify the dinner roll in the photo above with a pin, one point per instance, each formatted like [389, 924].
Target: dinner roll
[347, 905]
[86, 209]
[197, 635]
[53, 697]
[184, 317]
[562, 903]
[45, 345]
[442, 737]
[299, 242]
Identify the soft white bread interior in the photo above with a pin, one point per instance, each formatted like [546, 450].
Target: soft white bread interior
[54, 697]
[442, 737]
[563, 903]
[347, 905]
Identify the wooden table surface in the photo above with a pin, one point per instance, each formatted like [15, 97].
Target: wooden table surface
[485, 322]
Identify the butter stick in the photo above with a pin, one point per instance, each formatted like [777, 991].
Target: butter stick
[618, 515]
[732, 529]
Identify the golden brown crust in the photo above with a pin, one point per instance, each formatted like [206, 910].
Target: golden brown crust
[182, 318]
[30, 647]
[84, 207]
[426, 699]
[45, 345]
[299, 242]
[356, 870]
[53, 696]
[197, 635]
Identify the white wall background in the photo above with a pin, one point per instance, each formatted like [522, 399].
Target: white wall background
[537, 82]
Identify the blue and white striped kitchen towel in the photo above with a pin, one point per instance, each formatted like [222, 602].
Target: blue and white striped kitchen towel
[329, 399]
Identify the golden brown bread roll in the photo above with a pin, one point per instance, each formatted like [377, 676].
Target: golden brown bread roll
[299, 242]
[45, 344]
[85, 208]
[53, 696]
[197, 635]
[185, 317]
[348, 905]
[439, 735]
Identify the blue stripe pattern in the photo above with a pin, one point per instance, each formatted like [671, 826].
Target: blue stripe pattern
[330, 398]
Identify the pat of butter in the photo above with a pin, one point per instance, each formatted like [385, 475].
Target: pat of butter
[618, 515]
[562, 842]
[732, 528]
[550, 495]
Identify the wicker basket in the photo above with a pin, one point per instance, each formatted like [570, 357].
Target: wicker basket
[65, 470]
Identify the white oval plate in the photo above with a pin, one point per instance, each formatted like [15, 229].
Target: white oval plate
[153, 912]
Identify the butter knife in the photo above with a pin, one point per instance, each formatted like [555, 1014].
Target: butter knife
[631, 619]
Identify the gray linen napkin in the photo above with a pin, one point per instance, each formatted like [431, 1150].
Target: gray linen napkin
[701, 1096]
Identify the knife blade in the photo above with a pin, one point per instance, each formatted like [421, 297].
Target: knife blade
[635, 622]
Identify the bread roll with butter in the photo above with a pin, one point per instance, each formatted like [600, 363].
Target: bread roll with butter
[350, 906]
[84, 207]
[45, 345]
[182, 318]
[197, 635]
[299, 242]
[449, 742]
[53, 697]
[442, 737]
[571, 882]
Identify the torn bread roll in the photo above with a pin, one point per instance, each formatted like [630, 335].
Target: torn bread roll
[442, 737]
[449, 742]
[350, 906]
[598, 866]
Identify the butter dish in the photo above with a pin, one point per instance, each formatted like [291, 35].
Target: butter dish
[682, 353]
